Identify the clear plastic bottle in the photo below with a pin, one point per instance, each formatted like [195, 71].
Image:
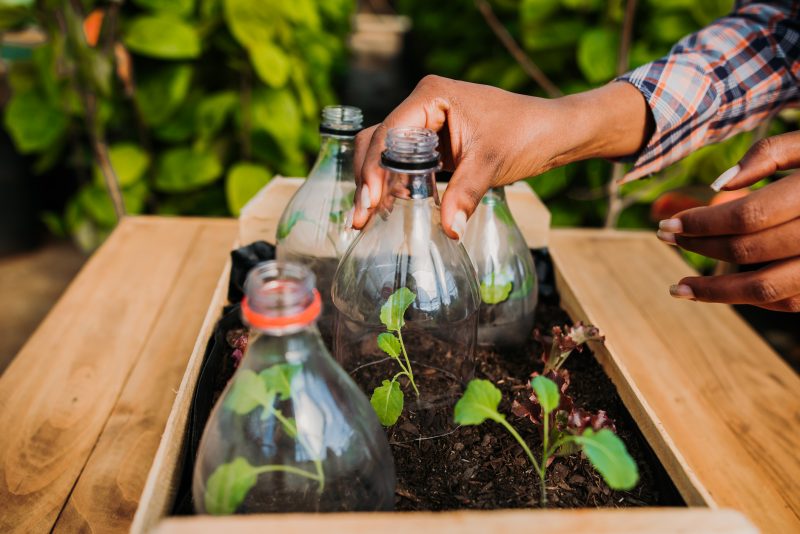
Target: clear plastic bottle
[506, 273]
[291, 432]
[406, 299]
[312, 229]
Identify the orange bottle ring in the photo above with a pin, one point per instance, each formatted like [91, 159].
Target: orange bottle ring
[307, 316]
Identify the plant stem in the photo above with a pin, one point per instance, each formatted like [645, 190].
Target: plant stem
[513, 432]
[288, 469]
[545, 447]
[408, 362]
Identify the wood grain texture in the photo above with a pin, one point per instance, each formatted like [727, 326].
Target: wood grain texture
[58, 394]
[164, 476]
[259, 218]
[641, 521]
[108, 490]
[719, 407]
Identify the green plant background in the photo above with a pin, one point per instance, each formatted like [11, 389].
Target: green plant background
[223, 95]
[226, 93]
[575, 43]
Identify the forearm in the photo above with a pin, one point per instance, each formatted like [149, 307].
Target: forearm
[608, 122]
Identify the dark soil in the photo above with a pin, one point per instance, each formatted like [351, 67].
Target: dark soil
[482, 467]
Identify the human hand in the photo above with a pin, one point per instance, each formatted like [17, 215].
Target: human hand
[490, 137]
[763, 226]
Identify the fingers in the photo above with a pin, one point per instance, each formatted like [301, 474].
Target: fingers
[776, 285]
[369, 174]
[771, 154]
[779, 242]
[774, 204]
[425, 107]
[464, 191]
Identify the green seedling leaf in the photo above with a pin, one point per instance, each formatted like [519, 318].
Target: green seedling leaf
[387, 400]
[389, 344]
[494, 290]
[479, 403]
[546, 392]
[608, 455]
[285, 227]
[249, 392]
[228, 485]
[278, 379]
[395, 307]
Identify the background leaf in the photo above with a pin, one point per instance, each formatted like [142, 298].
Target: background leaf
[183, 169]
[162, 36]
[270, 63]
[129, 161]
[34, 123]
[243, 181]
[597, 54]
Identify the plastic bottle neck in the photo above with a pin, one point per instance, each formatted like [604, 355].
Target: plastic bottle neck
[413, 186]
[495, 195]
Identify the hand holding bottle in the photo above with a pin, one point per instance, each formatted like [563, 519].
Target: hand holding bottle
[490, 137]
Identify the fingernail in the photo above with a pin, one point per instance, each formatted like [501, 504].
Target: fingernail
[725, 177]
[348, 220]
[674, 226]
[366, 202]
[459, 225]
[681, 291]
[666, 237]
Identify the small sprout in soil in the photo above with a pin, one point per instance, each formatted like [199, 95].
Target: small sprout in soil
[387, 399]
[605, 451]
[229, 484]
[566, 340]
[495, 288]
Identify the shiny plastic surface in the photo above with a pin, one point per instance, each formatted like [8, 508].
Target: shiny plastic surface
[291, 432]
[506, 273]
[404, 255]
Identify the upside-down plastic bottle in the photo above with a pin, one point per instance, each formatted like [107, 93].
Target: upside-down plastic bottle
[313, 228]
[291, 432]
[506, 273]
[406, 299]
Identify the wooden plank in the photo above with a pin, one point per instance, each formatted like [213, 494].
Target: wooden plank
[57, 395]
[164, 476]
[608, 521]
[259, 218]
[108, 490]
[719, 407]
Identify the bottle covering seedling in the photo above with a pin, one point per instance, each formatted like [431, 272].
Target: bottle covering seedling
[388, 398]
[229, 484]
[565, 429]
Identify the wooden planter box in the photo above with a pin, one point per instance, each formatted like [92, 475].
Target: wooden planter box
[716, 404]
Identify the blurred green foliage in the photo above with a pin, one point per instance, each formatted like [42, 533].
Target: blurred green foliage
[575, 42]
[200, 101]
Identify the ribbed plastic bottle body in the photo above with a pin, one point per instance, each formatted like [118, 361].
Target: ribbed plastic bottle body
[506, 274]
[292, 433]
[403, 256]
[313, 227]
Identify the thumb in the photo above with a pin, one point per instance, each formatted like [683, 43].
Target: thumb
[466, 189]
[771, 154]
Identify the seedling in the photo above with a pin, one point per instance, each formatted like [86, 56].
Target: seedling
[387, 399]
[565, 341]
[230, 483]
[495, 288]
[605, 451]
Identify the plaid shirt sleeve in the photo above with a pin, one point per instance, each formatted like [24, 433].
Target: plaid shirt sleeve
[724, 79]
